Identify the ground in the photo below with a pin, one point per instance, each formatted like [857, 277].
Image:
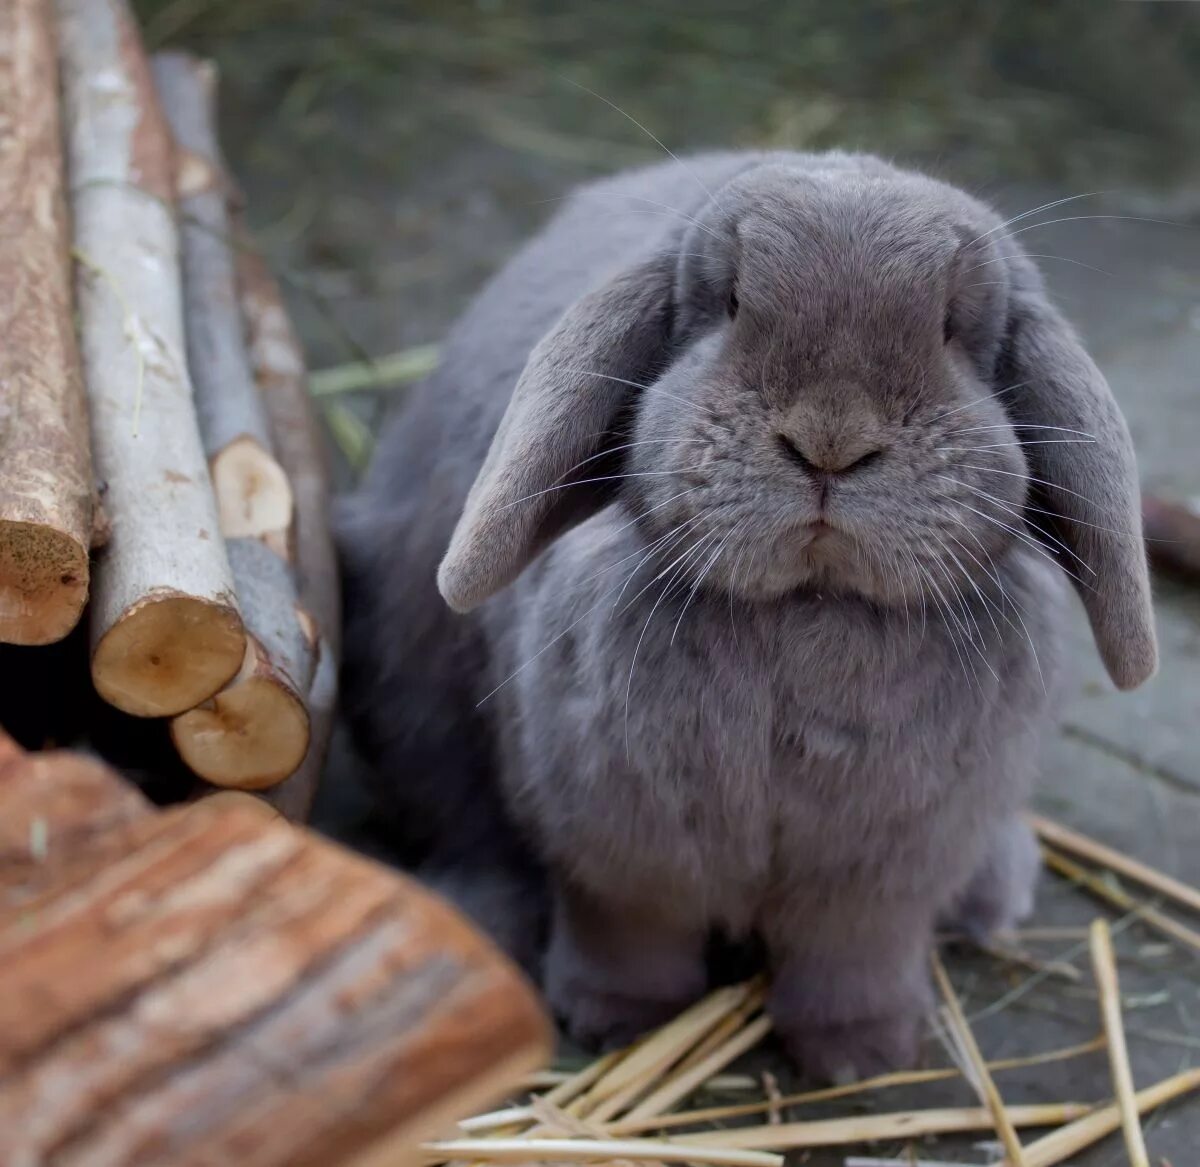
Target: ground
[393, 155]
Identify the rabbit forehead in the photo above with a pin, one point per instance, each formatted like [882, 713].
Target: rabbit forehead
[828, 234]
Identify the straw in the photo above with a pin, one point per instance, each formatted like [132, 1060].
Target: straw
[591, 1151]
[1092, 882]
[1104, 965]
[1086, 848]
[1060, 1146]
[987, 1087]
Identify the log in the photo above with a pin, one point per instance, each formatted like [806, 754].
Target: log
[278, 361]
[1172, 536]
[254, 497]
[279, 369]
[233, 989]
[255, 731]
[46, 488]
[294, 797]
[166, 631]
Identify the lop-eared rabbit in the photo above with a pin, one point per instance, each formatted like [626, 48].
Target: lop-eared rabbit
[750, 488]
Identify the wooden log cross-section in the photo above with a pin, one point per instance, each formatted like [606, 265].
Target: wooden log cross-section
[209, 984]
[255, 732]
[166, 632]
[45, 464]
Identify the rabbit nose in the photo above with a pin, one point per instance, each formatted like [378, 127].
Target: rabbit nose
[827, 459]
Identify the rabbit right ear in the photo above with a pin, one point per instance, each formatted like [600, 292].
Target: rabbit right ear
[575, 386]
[1089, 485]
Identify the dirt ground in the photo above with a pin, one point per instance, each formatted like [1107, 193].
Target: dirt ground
[393, 154]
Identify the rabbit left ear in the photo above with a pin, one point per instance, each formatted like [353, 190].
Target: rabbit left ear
[1090, 484]
[575, 386]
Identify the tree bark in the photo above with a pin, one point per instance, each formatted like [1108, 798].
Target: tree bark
[46, 487]
[253, 494]
[279, 369]
[229, 988]
[254, 733]
[165, 626]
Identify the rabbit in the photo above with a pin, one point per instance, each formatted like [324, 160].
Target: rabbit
[752, 487]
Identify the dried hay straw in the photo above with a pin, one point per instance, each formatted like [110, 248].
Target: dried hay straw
[619, 1107]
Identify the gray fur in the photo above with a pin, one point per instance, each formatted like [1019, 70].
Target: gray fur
[824, 737]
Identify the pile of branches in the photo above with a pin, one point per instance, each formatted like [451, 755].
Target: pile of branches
[161, 467]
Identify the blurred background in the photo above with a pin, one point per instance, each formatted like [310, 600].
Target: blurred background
[393, 154]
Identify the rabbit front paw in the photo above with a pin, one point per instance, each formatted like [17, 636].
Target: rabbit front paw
[600, 1020]
[849, 1052]
[609, 976]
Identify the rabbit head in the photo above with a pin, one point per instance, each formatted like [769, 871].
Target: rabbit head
[843, 378]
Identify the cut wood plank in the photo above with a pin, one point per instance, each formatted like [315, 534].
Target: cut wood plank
[254, 497]
[165, 626]
[46, 487]
[278, 362]
[252, 994]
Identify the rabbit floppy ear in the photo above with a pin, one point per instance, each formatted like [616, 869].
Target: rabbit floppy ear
[1090, 487]
[574, 388]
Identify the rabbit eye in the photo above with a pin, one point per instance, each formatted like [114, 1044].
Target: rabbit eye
[731, 305]
[948, 327]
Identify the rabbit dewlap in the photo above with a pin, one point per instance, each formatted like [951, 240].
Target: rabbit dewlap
[752, 487]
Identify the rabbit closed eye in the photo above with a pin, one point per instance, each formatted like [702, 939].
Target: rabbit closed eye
[760, 566]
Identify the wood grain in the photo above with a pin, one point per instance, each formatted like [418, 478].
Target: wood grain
[230, 988]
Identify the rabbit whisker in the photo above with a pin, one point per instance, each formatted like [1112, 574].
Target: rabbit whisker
[656, 140]
[700, 578]
[1035, 210]
[1062, 429]
[965, 609]
[587, 481]
[1039, 481]
[1027, 539]
[647, 388]
[1009, 445]
[670, 566]
[1004, 596]
[733, 578]
[646, 550]
[661, 545]
[1038, 255]
[975, 401]
[644, 442]
[983, 598]
[1012, 512]
[603, 597]
[948, 622]
[676, 211]
[645, 628]
[1020, 518]
[1082, 218]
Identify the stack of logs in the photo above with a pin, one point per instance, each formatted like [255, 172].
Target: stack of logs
[146, 349]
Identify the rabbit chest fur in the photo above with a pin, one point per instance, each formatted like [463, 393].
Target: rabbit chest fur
[750, 506]
[746, 763]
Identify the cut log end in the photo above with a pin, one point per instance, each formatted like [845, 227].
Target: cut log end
[254, 497]
[43, 583]
[167, 654]
[253, 734]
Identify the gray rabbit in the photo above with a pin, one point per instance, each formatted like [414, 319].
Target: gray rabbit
[760, 477]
